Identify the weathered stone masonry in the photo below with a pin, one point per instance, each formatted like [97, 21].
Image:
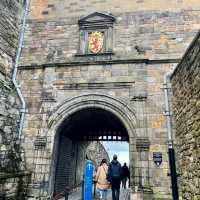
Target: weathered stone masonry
[186, 103]
[148, 41]
[9, 106]
[11, 165]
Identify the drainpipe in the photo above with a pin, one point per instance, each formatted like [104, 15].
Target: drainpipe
[17, 59]
[171, 152]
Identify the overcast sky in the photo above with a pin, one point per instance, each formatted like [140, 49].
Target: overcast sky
[119, 148]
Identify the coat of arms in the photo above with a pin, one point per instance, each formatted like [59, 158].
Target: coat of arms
[96, 42]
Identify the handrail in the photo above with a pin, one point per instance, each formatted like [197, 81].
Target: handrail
[61, 194]
[65, 191]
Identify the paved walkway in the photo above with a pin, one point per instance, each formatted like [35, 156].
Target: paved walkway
[76, 195]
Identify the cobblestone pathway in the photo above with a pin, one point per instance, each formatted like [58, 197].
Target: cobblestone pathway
[76, 195]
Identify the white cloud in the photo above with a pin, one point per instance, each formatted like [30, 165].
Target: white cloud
[116, 146]
[121, 149]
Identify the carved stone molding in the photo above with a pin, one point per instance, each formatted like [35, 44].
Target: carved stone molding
[105, 85]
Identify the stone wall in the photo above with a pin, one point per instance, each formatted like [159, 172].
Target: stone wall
[9, 102]
[138, 85]
[148, 40]
[9, 30]
[162, 30]
[96, 152]
[11, 177]
[186, 103]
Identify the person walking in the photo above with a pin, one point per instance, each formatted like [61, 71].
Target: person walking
[125, 175]
[114, 176]
[102, 184]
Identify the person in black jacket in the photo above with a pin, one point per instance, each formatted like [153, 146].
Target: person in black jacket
[114, 177]
[125, 175]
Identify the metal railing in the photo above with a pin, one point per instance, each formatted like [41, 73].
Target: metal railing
[66, 192]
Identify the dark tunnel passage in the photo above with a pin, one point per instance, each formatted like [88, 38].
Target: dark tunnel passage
[75, 134]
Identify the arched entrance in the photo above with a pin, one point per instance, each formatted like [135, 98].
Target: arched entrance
[78, 121]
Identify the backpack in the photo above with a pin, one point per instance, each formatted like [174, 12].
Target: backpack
[115, 171]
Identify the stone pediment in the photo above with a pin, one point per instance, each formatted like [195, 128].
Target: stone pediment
[100, 24]
[97, 17]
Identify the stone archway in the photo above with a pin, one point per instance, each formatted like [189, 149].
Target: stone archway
[115, 106]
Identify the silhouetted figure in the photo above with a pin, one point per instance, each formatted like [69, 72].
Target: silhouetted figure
[114, 176]
[125, 175]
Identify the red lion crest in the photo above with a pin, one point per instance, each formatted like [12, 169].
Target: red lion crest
[96, 42]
